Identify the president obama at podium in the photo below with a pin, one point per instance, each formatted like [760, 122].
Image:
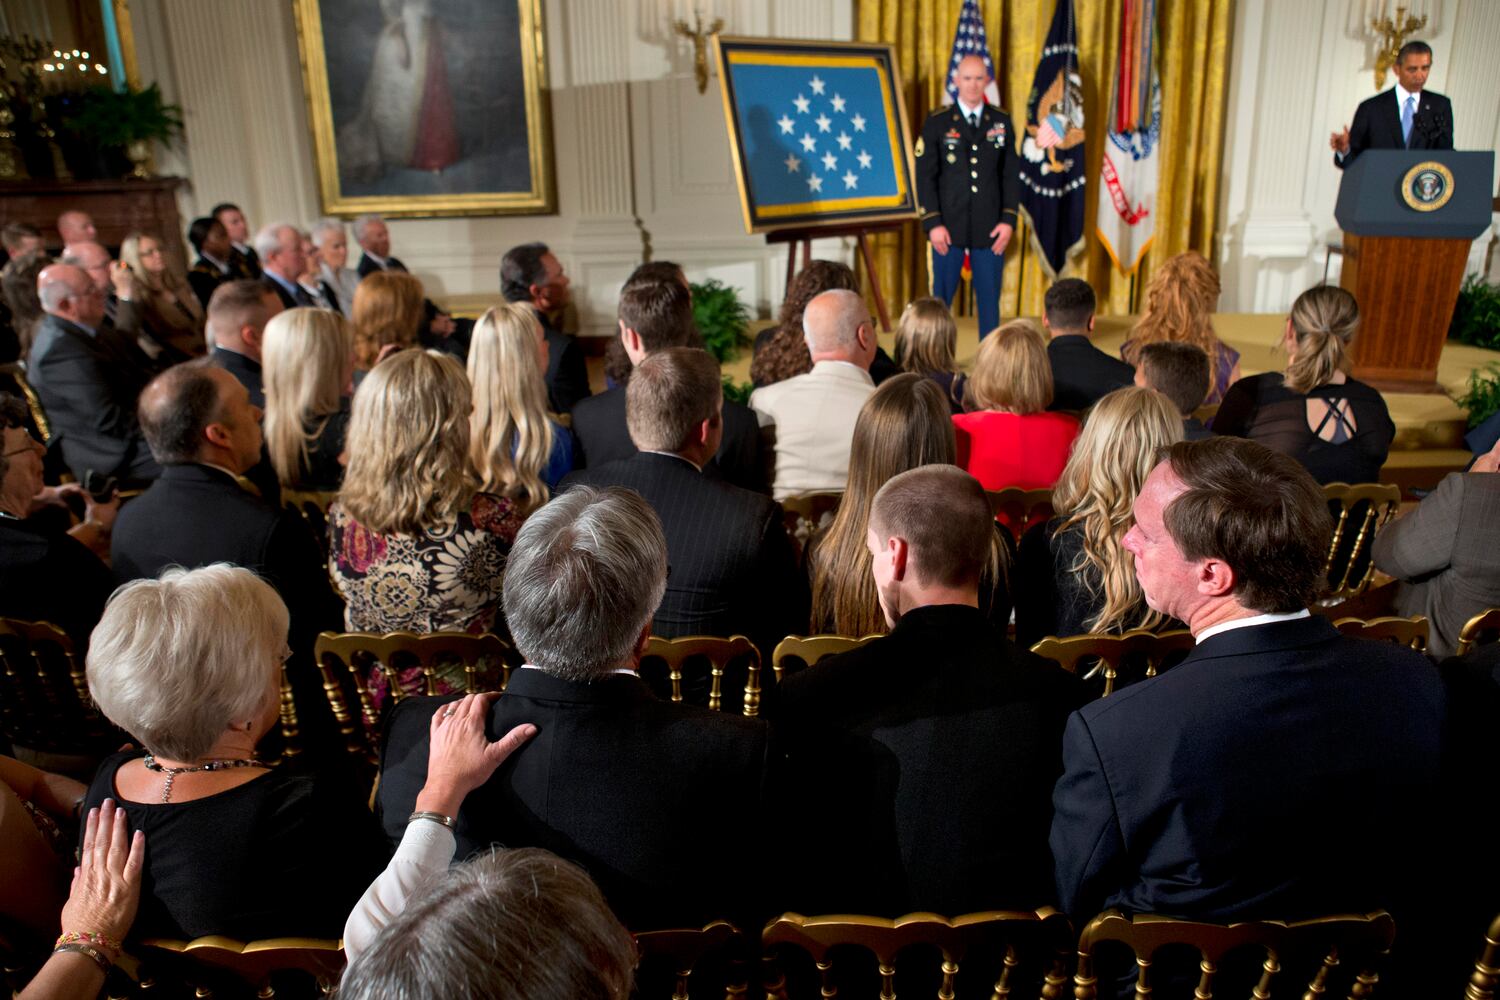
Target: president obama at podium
[1404, 117]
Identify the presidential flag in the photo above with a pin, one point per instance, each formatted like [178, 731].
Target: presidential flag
[818, 134]
[1052, 168]
[970, 40]
[1127, 203]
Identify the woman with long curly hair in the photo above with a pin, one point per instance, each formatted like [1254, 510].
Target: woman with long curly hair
[520, 450]
[1180, 301]
[905, 424]
[1073, 575]
[781, 353]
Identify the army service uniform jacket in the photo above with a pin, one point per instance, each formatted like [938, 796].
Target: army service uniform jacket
[966, 177]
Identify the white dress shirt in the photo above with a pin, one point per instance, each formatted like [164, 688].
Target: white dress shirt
[1229, 626]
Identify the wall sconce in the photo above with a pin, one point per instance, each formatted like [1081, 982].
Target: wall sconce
[1393, 29]
[700, 39]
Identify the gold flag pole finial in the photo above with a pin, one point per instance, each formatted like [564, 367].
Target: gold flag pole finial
[700, 44]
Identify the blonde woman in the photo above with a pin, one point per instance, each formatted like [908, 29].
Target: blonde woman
[1072, 574]
[170, 311]
[307, 362]
[926, 340]
[1180, 301]
[388, 310]
[1336, 426]
[521, 452]
[413, 543]
[1008, 438]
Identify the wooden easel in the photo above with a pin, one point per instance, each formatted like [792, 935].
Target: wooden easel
[806, 235]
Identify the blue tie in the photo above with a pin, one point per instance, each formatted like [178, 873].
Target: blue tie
[1406, 113]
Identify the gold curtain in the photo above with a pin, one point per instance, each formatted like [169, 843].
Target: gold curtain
[1193, 61]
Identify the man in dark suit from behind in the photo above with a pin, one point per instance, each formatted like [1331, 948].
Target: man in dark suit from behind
[532, 273]
[1282, 770]
[951, 733]
[733, 567]
[657, 313]
[1081, 373]
[667, 807]
[237, 316]
[205, 432]
[1408, 116]
[1179, 372]
[87, 381]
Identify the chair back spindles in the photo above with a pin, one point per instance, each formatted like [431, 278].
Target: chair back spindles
[1155, 649]
[683, 950]
[1348, 567]
[719, 653]
[1486, 975]
[1476, 629]
[1409, 632]
[44, 693]
[807, 650]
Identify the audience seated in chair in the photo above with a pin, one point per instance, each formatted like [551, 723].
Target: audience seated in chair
[339, 281]
[733, 568]
[308, 356]
[387, 318]
[279, 246]
[171, 314]
[810, 418]
[1008, 438]
[532, 273]
[1081, 373]
[657, 313]
[1224, 789]
[210, 240]
[926, 339]
[1336, 426]
[18, 286]
[941, 740]
[437, 329]
[1446, 552]
[781, 351]
[1073, 574]
[414, 544]
[905, 424]
[190, 665]
[1179, 372]
[87, 377]
[1180, 300]
[670, 807]
[521, 450]
[237, 316]
[243, 258]
[46, 574]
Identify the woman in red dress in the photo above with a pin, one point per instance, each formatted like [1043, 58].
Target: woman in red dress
[1008, 438]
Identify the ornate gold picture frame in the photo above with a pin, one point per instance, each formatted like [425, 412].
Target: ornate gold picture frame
[426, 108]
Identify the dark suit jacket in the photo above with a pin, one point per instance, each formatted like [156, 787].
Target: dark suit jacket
[1377, 125]
[49, 576]
[88, 388]
[733, 567]
[1081, 373]
[567, 371]
[1280, 771]
[288, 299]
[367, 265]
[666, 806]
[599, 423]
[955, 734]
[247, 370]
[195, 515]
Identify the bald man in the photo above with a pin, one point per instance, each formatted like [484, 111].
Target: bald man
[968, 188]
[85, 384]
[76, 227]
[808, 421]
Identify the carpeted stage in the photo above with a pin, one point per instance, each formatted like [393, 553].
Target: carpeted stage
[1429, 427]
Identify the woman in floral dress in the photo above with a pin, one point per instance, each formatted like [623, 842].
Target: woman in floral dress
[414, 546]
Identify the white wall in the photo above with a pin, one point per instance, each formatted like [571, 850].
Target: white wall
[642, 159]
[1299, 69]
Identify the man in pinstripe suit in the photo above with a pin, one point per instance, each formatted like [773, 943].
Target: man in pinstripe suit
[732, 566]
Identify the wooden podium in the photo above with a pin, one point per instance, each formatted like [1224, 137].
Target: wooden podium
[1409, 217]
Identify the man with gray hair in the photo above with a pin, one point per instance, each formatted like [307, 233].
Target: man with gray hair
[665, 805]
[809, 419]
[86, 381]
[441, 330]
[733, 569]
[279, 247]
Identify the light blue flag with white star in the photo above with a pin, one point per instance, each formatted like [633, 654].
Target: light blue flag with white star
[818, 135]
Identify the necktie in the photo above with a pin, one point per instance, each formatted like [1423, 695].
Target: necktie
[300, 296]
[1406, 113]
[974, 119]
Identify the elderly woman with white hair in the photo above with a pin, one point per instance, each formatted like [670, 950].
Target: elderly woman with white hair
[190, 665]
[332, 241]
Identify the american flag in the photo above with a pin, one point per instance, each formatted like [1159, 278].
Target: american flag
[969, 40]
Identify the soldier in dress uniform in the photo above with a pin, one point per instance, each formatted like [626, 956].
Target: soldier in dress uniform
[968, 188]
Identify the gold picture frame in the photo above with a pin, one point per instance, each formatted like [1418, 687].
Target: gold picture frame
[358, 172]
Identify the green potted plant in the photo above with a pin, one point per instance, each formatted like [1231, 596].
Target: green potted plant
[1476, 314]
[722, 318]
[128, 119]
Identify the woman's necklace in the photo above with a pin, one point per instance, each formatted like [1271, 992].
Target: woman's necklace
[216, 764]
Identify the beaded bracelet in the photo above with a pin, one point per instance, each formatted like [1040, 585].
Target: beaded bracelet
[85, 937]
[83, 949]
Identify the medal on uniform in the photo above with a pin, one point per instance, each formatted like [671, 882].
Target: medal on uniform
[952, 158]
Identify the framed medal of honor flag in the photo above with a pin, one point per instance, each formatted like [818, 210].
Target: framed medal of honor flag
[428, 107]
[817, 132]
